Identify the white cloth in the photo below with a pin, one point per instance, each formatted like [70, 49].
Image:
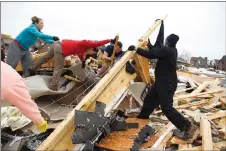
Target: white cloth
[13, 118]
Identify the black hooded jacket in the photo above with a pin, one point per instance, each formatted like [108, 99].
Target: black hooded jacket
[165, 71]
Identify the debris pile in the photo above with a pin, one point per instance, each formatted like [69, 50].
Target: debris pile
[202, 100]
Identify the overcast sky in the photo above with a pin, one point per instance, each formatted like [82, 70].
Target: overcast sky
[200, 25]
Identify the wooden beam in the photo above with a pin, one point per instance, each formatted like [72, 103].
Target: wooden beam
[187, 105]
[194, 95]
[162, 145]
[202, 87]
[217, 146]
[217, 115]
[159, 142]
[205, 131]
[223, 100]
[115, 45]
[142, 62]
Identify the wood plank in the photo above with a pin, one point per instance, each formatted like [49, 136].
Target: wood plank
[187, 105]
[115, 45]
[217, 115]
[142, 62]
[155, 137]
[176, 140]
[223, 100]
[205, 132]
[160, 141]
[194, 95]
[162, 145]
[217, 146]
[202, 87]
[142, 68]
[185, 146]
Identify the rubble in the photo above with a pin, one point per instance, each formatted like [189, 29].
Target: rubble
[204, 105]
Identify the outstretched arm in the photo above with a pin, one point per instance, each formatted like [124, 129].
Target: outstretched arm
[34, 31]
[155, 53]
[94, 44]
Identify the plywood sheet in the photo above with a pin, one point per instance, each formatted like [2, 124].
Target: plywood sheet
[122, 140]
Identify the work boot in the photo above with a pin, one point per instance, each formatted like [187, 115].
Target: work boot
[31, 71]
[189, 133]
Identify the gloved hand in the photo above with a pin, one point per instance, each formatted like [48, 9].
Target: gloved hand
[43, 126]
[132, 48]
[149, 45]
[113, 40]
[149, 42]
[55, 38]
[83, 64]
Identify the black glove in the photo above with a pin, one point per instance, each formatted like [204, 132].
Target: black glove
[55, 38]
[113, 40]
[132, 48]
[83, 64]
[150, 46]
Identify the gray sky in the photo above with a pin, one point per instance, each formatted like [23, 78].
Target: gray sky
[200, 25]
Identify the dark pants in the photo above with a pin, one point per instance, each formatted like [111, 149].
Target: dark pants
[163, 97]
[56, 52]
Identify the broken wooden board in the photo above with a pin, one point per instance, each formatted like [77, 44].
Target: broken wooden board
[199, 103]
[199, 94]
[195, 78]
[175, 140]
[122, 140]
[156, 137]
[142, 62]
[201, 87]
[205, 131]
[115, 45]
[216, 146]
[214, 102]
[163, 144]
[217, 115]
[223, 100]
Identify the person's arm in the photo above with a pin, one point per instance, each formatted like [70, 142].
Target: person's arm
[94, 44]
[20, 97]
[34, 31]
[50, 41]
[155, 53]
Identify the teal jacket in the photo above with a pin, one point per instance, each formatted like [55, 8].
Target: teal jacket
[29, 36]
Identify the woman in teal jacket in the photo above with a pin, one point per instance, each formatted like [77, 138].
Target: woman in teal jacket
[18, 49]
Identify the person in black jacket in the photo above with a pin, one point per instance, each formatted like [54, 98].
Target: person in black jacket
[165, 85]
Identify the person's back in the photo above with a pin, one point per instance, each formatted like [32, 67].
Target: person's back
[165, 71]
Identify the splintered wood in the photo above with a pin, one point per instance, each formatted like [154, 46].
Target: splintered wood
[122, 140]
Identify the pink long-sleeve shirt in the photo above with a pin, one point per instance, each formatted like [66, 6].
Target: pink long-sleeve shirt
[14, 90]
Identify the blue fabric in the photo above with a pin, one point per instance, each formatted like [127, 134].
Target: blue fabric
[29, 36]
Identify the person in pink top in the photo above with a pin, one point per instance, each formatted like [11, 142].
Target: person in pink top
[14, 90]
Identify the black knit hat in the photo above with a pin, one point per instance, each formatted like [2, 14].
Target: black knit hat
[172, 40]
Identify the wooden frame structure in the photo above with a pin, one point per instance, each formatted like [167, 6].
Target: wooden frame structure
[108, 88]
